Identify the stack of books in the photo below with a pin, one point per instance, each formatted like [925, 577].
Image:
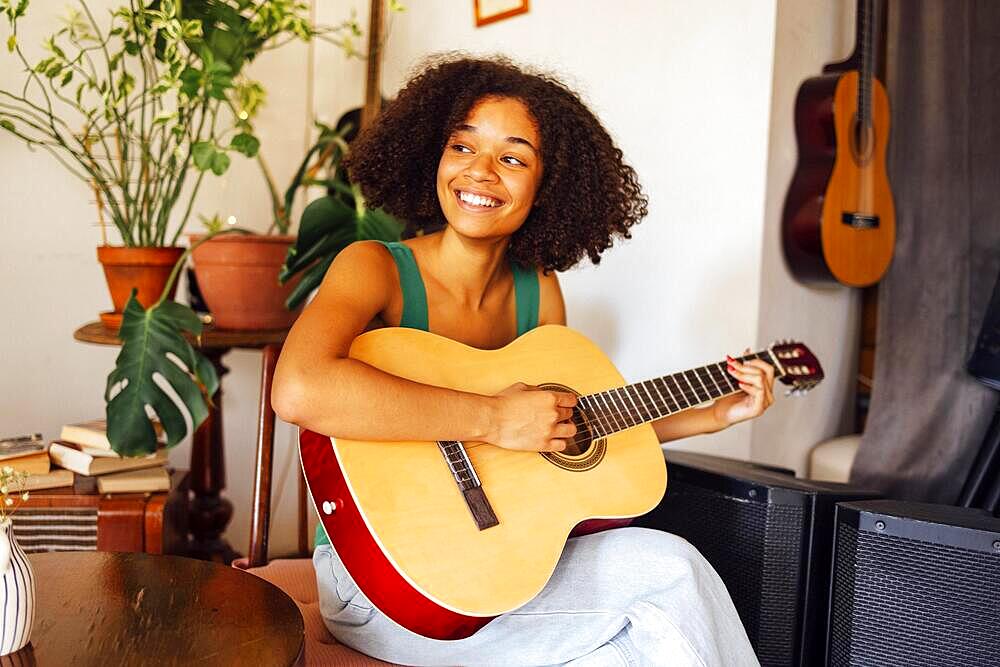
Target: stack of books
[29, 454]
[84, 449]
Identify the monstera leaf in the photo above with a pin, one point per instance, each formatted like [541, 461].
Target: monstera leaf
[153, 345]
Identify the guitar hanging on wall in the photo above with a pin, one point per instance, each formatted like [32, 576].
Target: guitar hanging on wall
[442, 537]
[839, 221]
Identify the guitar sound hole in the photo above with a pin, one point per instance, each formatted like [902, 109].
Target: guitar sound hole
[581, 442]
[862, 141]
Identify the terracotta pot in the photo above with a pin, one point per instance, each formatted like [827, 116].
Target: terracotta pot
[146, 269]
[238, 278]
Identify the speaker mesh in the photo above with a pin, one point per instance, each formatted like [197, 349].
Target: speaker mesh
[898, 601]
[756, 548]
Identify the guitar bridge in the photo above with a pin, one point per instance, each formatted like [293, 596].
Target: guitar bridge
[859, 220]
[468, 483]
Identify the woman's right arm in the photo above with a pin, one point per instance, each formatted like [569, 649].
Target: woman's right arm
[318, 387]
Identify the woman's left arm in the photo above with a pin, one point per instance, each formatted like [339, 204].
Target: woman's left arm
[756, 379]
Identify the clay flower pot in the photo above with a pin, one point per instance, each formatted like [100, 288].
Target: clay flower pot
[238, 278]
[146, 269]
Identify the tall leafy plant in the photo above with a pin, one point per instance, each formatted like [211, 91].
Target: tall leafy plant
[332, 222]
[152, 101]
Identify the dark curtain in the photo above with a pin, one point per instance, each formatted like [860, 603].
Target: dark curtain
[928, 417]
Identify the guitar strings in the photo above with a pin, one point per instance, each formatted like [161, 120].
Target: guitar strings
[618, 411]
[615, 415]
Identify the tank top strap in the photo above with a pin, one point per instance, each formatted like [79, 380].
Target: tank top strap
[411, 284]
[526, 297]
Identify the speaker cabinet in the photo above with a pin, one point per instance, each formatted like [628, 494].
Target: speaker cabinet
[769, 536]
[915, 584]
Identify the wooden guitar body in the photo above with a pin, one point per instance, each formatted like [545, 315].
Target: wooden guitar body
[839, 222]
[403, 528]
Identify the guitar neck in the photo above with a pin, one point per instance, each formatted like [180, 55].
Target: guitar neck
[866, 29]
[622, 408]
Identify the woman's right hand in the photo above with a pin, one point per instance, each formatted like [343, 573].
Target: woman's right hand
[526, 418]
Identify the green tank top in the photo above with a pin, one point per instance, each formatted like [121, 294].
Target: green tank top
[415, 305]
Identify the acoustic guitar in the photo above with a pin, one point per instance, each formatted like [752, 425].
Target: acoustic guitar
[839, 221]
[442, 537]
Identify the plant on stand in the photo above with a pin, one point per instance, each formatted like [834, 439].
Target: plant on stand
[136, 111]
[141, 111]
[238, 276]
[18, 610]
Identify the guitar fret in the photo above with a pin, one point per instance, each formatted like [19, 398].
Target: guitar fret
[594, 420]
[719, 392]
[675, 391]
[693, 392]
[609, 413]
[602, 413]
[620, 408]
[708, 396]
[602, 417]
[629, 390]
[666, 409]
[730, 380]
[668, 400]
[623, 407]
[652, 401]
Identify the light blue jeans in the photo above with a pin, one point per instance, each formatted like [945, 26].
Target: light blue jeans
[630, 596]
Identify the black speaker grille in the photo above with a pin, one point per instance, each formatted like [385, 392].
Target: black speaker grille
[756, 548]
[898, 601]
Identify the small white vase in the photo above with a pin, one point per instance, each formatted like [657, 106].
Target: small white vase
[17, 595]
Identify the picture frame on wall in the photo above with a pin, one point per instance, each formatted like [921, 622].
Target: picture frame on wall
[491, 11]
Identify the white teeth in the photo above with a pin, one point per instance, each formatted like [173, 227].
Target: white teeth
[477, 200]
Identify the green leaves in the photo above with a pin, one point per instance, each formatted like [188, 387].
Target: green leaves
[245, 143]
[153, 348]
[207, 156]
[13, 10]
[203, 152]
[215, 80]
[11, 43]
[220, 163]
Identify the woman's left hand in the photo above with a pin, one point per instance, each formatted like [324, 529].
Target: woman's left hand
[756, 378]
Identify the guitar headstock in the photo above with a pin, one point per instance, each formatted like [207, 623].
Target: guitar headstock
[797, 366]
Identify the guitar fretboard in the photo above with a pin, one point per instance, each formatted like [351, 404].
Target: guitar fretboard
[866, 22]
[622, 408]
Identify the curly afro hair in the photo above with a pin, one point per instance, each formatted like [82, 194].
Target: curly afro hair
[588, 195]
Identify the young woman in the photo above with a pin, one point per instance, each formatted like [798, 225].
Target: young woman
[506, 177]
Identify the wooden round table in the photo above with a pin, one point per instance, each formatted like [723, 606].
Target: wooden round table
[102, 608]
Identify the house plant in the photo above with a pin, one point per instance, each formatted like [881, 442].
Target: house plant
[142, 110]
[333, 221]
[237, 275]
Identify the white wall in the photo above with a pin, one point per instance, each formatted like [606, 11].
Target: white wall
[685, 89]
[809, 34]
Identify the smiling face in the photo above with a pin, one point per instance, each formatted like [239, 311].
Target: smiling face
[491, 169]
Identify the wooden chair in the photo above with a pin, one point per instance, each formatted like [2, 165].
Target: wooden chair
[294, 576]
